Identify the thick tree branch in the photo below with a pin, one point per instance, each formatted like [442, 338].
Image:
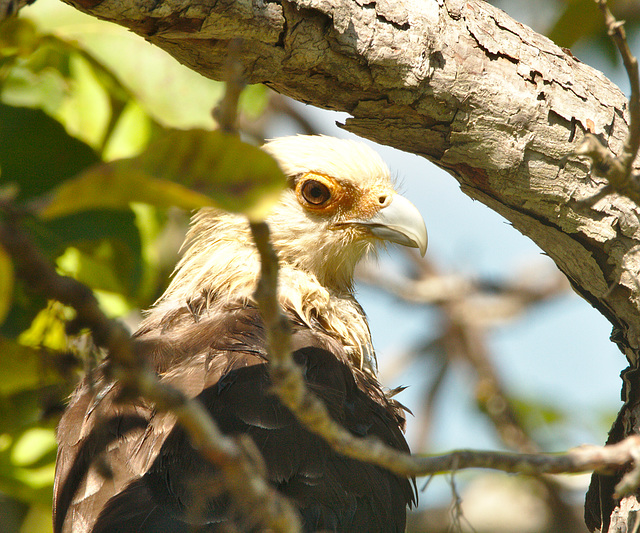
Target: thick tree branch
[459, 82]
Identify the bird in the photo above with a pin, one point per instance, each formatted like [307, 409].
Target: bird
[123, 466]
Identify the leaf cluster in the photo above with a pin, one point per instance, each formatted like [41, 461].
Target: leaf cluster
[103, 173]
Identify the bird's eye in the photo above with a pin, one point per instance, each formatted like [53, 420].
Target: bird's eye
[315, 192]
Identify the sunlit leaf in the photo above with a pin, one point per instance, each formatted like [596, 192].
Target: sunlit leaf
[48, 328]
[115, 186]
[21, 368]
[87, 109]
[32, 445]
[67, 82]
[6, 284]
[171, 93]
[130, 135]
[188, 169]
[92, 271]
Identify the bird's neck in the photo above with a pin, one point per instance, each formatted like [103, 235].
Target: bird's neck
[222, 265]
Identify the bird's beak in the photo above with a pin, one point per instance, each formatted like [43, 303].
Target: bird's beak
[400, 222]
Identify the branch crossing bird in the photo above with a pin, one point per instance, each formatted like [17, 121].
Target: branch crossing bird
[205, 336]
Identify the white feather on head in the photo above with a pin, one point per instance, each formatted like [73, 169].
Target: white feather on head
[316, 262]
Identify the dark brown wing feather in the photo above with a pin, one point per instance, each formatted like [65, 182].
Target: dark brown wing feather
[159, 483]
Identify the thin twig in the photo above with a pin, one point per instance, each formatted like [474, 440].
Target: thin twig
[617, 33]
[290, 387]
[241, 470]
[618, 170]
[226, 112]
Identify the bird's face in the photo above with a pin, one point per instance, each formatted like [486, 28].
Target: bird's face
[341, 203]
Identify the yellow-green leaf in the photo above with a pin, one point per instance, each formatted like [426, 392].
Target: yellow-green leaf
[188, 169]
[6, 284]
[32, 445]
[114, 186]
[48, 328]
[159, 82]
[21, 368]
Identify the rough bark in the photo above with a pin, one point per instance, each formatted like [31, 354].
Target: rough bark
[498, 106]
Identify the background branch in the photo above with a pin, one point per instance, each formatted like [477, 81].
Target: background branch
[468, 309]
[290, 387]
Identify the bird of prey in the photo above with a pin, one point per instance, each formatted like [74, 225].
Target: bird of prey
[124, 467]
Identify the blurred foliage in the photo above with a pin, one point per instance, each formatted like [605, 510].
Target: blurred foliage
[100, 134]
[100, 159]
[582, 20]
[575, 22]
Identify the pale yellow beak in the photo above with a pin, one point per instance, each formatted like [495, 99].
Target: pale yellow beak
[399, 222]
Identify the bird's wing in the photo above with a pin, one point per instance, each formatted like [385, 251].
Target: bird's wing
[159, 482]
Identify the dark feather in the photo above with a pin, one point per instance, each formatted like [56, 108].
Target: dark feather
[157, 482]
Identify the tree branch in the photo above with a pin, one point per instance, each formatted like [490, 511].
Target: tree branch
[459, 82]
[238, 461]
[618, 170]
[468, 309]
[290, 387]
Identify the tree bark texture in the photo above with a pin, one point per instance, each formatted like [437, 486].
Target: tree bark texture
[459, 82]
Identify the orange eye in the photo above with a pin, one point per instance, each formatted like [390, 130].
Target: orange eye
[315, 192]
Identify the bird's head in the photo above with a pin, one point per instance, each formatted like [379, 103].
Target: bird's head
[339, 205]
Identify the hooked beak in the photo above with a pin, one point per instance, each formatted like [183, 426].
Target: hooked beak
[399, 222]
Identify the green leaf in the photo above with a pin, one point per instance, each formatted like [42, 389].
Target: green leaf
[32, 446]
[566, 32]
[28, 482]
[582, 20]
[6, 284]
[48, 328]
[97, 269]
[171, 93]
[188, 169]
[85, 229]
[22, 368]
[24, 309]
[68, 83]
[536, 413]
[115, 186]
[86, 110]
[36, 152]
